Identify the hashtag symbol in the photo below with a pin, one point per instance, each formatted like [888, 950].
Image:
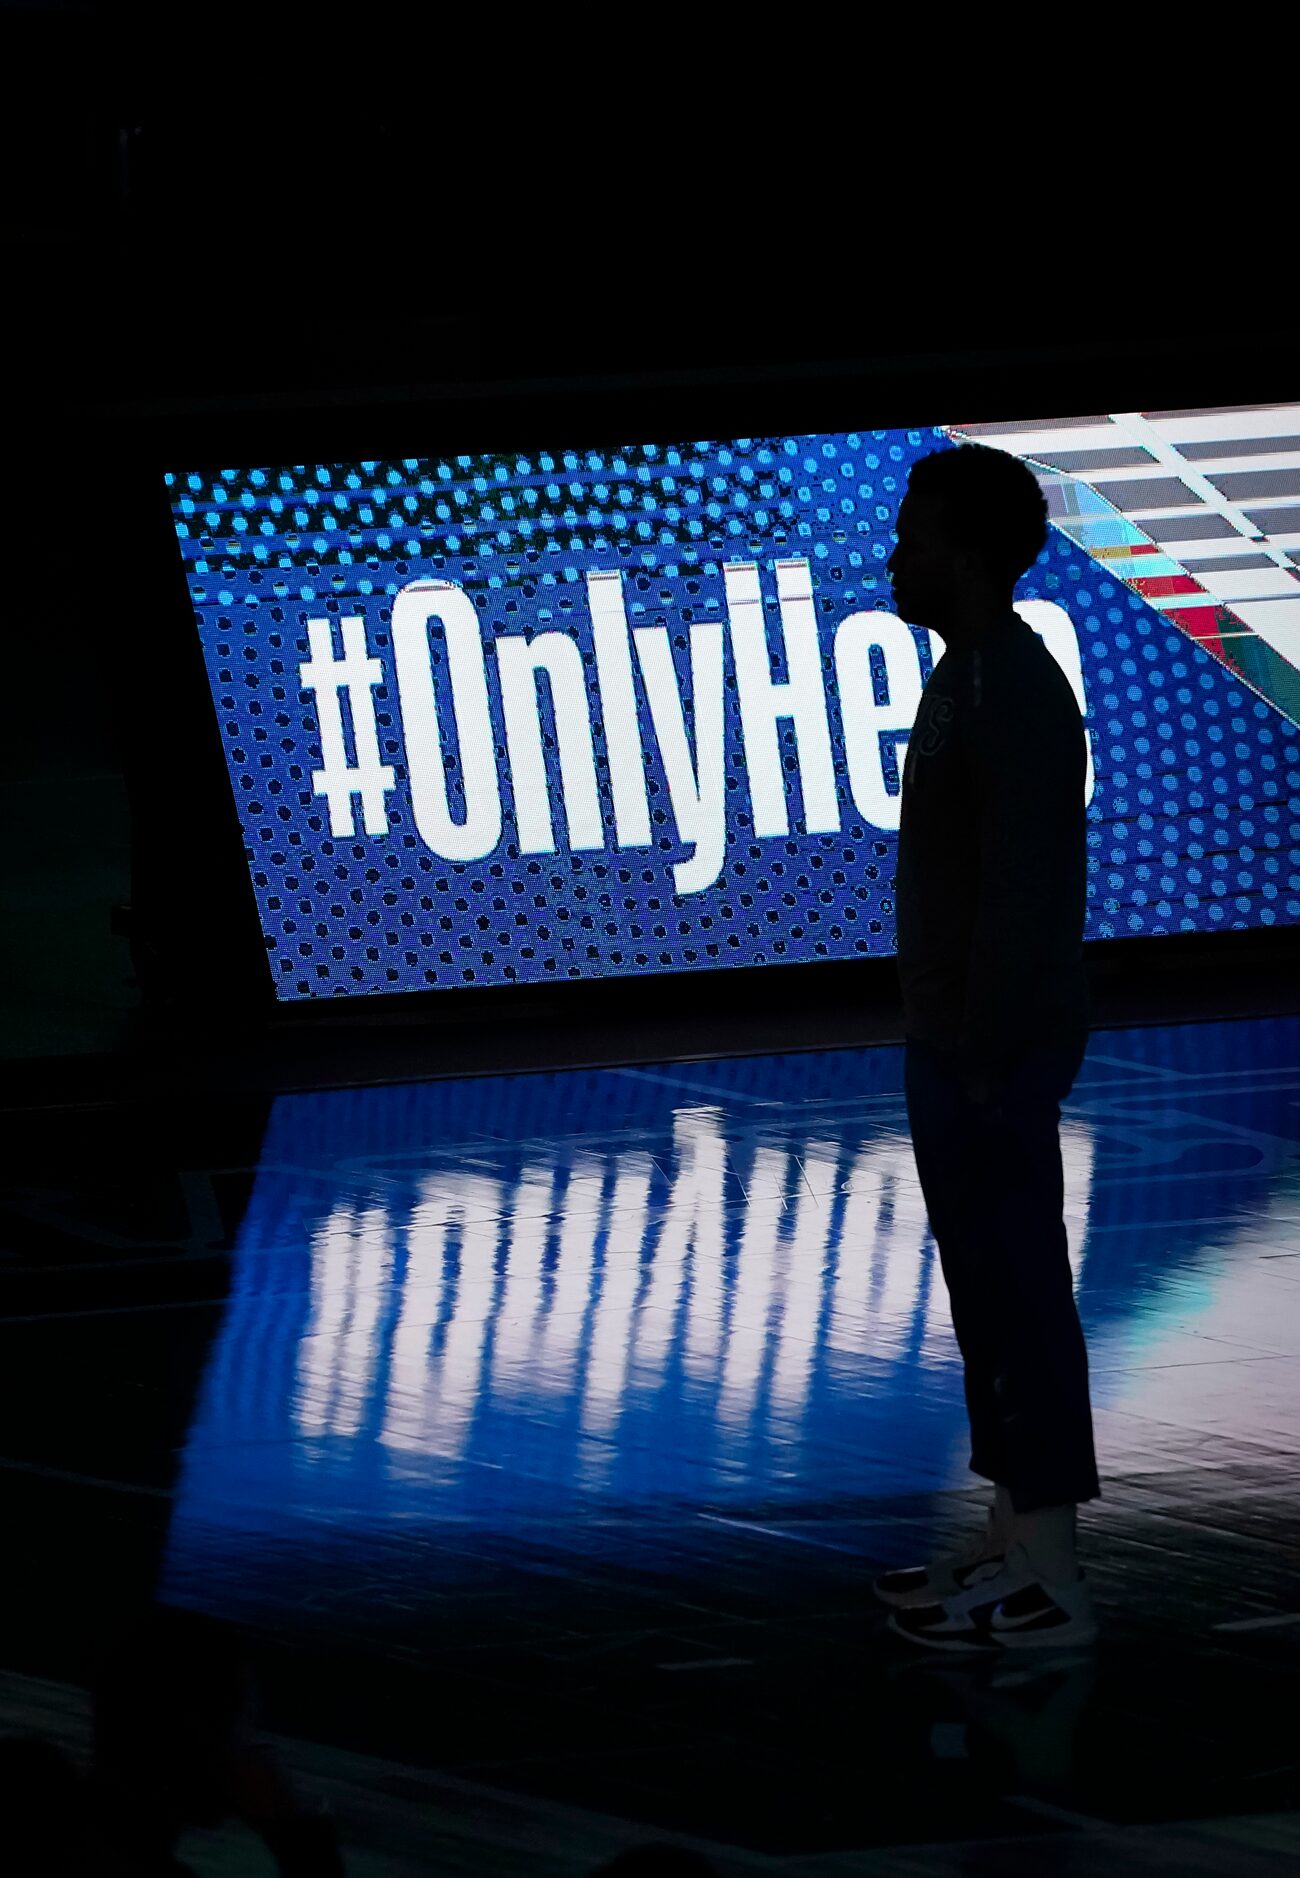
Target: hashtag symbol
[357, 674]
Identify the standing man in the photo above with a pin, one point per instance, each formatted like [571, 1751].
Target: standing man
[991, 897]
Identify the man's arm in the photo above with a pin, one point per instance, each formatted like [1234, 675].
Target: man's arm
[1027, 783]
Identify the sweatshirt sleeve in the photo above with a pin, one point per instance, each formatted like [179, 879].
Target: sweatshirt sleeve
[1026, 773]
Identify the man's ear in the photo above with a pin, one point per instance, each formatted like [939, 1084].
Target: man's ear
[972, 570]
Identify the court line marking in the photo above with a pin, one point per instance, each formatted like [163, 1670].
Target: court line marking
[118, 1310]
[1275, 1622]
[1066, 1815]
[713, 1662]
[85, 1480]
[799, 1538]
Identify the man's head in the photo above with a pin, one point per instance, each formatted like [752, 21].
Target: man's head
[972, 521]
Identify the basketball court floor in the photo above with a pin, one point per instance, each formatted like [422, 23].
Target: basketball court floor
[542, 1433]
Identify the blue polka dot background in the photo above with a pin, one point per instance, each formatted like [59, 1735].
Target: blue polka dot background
[1194, 822]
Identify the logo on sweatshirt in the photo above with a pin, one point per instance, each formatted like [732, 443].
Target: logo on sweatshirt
[932, 725]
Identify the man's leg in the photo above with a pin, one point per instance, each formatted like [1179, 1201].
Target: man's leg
[1012, 1292]
[946, 1143]
[941, 1143]
[1040, 1361]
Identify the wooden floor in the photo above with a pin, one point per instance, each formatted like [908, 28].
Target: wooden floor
[541, 1433]
[400, 1822]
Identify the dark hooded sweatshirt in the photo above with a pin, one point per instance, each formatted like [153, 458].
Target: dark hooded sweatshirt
[992, 856]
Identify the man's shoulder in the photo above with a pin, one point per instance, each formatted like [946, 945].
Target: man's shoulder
[1030, 664]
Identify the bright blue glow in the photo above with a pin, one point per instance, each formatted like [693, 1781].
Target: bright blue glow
[570, 1308]
[354, 896]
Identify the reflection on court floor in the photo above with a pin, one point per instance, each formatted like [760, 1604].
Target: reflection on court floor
[548, 1301]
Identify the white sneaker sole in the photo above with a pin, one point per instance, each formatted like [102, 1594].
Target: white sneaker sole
[991, 1643]
[1073, 1636]
[931, 1593]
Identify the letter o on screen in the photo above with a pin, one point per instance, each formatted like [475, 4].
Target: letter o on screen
[418, 607]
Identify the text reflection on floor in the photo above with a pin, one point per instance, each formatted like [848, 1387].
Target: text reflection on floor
[542, 1303]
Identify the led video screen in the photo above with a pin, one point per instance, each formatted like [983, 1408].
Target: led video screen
[587, 713]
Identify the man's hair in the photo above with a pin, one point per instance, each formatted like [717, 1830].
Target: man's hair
[991, 504]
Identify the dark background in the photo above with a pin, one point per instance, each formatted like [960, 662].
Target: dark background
[294, 231]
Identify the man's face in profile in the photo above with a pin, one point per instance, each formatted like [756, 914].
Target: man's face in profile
[922, 569]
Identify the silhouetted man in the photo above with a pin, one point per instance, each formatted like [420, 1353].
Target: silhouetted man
[990, 896]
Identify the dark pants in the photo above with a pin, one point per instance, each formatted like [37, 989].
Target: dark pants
[993, 1189]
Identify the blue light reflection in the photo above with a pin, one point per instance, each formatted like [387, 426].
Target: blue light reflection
[545, 1305]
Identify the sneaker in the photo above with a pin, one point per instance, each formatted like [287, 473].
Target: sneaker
[1011, 1608]
[944, 1576]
